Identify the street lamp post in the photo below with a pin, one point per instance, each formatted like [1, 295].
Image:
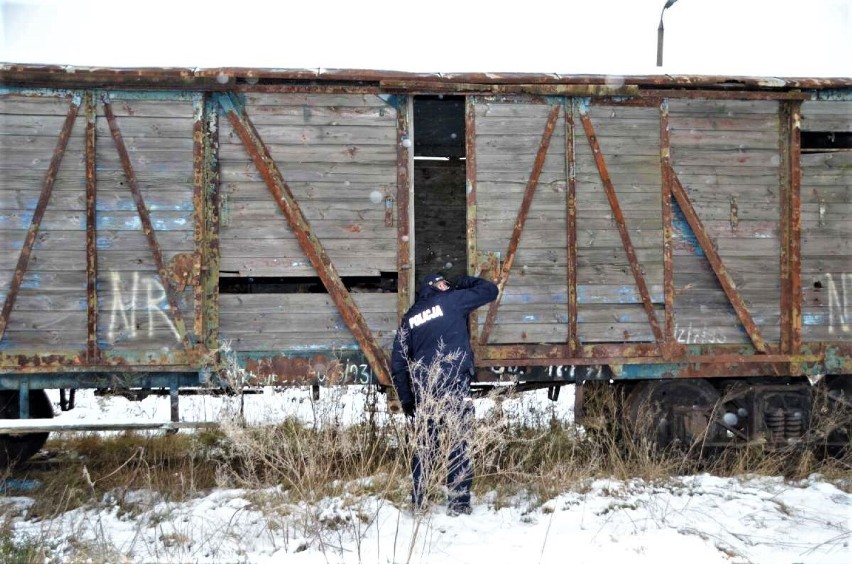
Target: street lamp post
[669, 4]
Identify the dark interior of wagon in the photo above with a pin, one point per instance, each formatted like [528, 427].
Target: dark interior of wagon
[439, 186]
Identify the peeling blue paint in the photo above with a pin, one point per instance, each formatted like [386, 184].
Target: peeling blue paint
[395, 101]
[834, 94]
[134, 223]
[814, 319]
[17, 220]
[681, 230]
[38, 92]
[31, 281]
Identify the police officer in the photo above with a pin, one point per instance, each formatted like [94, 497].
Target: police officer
[432, 360]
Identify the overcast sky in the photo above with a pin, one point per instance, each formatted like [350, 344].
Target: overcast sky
[717, 37]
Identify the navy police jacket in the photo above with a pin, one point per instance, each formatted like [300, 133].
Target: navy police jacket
[438, 318]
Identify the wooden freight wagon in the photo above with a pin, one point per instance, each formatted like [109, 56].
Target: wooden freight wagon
[685, 237]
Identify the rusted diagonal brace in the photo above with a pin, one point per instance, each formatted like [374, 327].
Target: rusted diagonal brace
[716, 263]
[145, 218]
[38, 215]
[311, 246]
[532, 184]
[618, 215]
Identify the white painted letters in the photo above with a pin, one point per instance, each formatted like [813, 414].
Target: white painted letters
[839, 311]
[123, 317]
[695, 336]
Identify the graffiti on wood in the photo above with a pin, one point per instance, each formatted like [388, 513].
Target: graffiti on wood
[144, 313]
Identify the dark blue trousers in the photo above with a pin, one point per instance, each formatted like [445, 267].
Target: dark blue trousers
[430, 445]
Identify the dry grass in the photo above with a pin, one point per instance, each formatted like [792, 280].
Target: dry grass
[321, 459]
[83, 469]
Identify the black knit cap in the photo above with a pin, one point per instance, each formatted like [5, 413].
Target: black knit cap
[432, 279]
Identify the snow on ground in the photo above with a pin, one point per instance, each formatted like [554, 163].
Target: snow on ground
[695, 519]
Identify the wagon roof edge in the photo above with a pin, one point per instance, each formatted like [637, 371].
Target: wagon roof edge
[203, 77]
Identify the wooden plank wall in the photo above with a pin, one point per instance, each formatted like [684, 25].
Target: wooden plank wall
[534, 303]
[609, 303]
[134, 314]
[726, 154]
[159, 138]
[338, 154]
[534, 307]
[827, 227]
[50, 310]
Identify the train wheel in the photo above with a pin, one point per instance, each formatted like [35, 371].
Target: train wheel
[15, 449]
[673, 413]
[839, 407]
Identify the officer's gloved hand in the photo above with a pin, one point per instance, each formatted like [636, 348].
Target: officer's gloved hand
[408, 409]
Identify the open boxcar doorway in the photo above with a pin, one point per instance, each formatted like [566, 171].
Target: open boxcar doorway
[439, 186]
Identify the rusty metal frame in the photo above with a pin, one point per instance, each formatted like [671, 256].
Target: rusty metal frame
[523, 211]
[206, 78]
[473, 266]
[618, 215]
[310, 244]
[668, 247]
[93, 352]
[38, 214]
[145, 218]
[716, 263]
[209, 276]
[571, 227]
[790, 223]
[404, 165]
[641, 353]
[198, 183]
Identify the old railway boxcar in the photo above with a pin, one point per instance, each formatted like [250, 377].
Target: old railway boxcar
[678, 236]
